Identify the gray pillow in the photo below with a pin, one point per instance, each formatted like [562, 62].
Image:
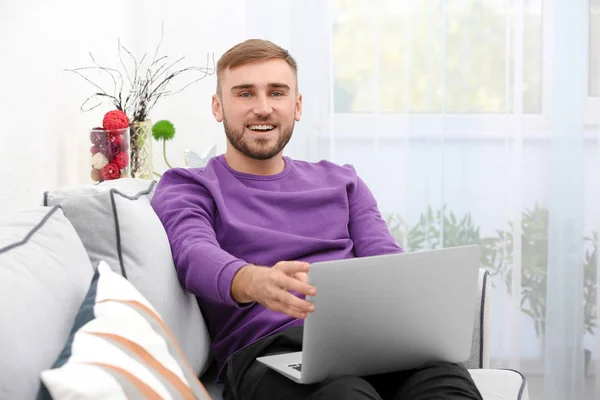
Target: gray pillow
[117, 224]
[45, 273]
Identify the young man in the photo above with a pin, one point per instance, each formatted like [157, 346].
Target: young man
[245, 228]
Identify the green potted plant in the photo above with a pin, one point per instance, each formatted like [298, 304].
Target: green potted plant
[534, 268]
[590, 273]
[163, 130]
[441, 228]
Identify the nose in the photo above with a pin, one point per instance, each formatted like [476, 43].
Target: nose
[262, 106]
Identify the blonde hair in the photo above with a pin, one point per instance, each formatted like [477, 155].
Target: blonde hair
[249, 51]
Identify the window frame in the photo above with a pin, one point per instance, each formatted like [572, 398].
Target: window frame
[484, 126]
[593, 102]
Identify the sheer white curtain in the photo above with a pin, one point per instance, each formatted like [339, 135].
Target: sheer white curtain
[472, 122]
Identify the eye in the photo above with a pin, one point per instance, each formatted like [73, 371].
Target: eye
[276, 94]
[245, 94]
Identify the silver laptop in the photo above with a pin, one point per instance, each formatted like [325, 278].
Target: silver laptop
[386, 313]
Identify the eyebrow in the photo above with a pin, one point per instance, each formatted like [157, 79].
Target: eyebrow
[274, 85]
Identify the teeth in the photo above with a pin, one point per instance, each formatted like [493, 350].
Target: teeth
[262, 127]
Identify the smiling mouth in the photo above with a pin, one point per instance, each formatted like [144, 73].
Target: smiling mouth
[261, 128]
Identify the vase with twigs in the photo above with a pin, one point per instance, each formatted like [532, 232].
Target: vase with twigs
[135, 89]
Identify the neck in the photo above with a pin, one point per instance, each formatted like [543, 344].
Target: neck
[242, 163]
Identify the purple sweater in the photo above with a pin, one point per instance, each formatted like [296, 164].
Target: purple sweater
[219, 220]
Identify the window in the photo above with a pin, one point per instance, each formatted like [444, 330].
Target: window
[594, 65]
[431, 57]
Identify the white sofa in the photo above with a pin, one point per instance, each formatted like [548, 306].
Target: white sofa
[47, 256]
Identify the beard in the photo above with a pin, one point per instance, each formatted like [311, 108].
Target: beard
[258, 148]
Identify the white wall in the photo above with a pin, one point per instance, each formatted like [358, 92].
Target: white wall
[43, 133]
[193, 29]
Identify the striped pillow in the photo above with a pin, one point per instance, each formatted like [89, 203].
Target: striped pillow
[120, 348]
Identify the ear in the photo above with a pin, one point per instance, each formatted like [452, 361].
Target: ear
[217, 108]
[298, 113]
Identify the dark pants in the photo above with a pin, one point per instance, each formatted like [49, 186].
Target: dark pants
[249, 379]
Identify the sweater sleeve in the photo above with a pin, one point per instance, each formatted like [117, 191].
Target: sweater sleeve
[368, 230]
[187, 210]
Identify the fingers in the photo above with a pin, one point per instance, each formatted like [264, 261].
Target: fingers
[290, 283]
[283, 301]
[295, 302]
[291, 267]
[301, 276]
[291, 311]
[287, 276]
[294, 277]
[294, 312]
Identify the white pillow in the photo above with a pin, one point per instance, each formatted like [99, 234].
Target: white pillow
[120, 348]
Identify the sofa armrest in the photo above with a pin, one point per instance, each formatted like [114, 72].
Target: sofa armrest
[500, 384]
[480, 353]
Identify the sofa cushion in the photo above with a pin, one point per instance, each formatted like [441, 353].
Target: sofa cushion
[117, 224]
[44, 275]
[119, 348]
[500, 384]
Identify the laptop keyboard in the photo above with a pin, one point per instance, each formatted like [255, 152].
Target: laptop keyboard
[297, 367]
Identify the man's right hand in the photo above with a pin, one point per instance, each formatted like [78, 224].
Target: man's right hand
[271, 287]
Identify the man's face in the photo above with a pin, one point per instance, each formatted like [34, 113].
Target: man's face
[258, 106]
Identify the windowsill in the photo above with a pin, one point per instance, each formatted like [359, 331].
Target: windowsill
[593, 111]
[535, 366]
[486, 127]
